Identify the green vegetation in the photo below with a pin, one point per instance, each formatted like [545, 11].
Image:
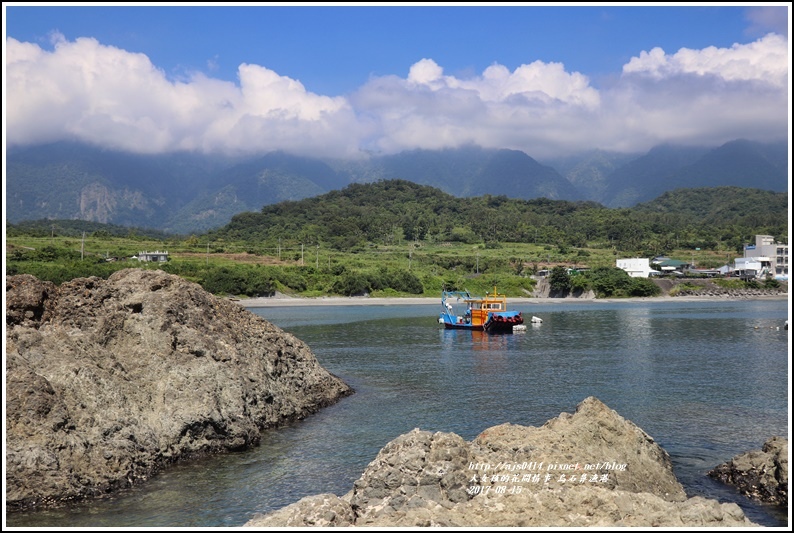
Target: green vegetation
[691, 287]
[389, 212]
[75, 228]
[396, 238]
[730, 283]
[560, 280]
[612, 282]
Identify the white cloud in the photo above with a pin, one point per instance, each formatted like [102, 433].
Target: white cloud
[765, 59]
[498, 83]
[704, 96]
[101, 94]
[425, 72]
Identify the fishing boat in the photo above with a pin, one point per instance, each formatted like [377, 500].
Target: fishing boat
[461, 310]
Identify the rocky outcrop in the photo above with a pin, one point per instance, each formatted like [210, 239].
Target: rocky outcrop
[543, 290]
[109, 381]
[590, 468]
[759, 474]
[709, 288]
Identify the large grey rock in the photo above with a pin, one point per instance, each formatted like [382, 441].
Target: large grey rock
[322, 510]
[759, 474]
[109, 381]
[416, 471]
[595, 440]
[605, 472]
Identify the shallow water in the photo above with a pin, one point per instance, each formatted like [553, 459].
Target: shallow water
[707, 380]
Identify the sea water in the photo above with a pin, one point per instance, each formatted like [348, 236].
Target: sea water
[707, 380]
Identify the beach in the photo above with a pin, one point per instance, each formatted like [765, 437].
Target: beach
[290, 301]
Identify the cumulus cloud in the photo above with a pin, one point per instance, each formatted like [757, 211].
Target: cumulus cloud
[523, 109]
[100, 94]
[765, 59]
[709, 96]
[704, 96]
[88, 91]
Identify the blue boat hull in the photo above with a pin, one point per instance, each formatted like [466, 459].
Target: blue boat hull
[496, 323]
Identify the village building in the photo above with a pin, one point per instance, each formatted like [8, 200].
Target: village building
[773, 257]
[747, 267]
[157, 257]
[637, 267]
[672, 266]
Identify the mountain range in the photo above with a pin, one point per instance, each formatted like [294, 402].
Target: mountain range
[190, 192]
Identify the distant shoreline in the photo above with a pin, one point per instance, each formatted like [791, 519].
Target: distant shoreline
[287, 301]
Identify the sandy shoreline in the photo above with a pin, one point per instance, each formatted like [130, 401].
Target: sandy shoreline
[282, 301]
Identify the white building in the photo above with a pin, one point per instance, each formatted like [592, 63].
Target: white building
[748, 267]
[636, 267]
[159, 257]
[772, 255]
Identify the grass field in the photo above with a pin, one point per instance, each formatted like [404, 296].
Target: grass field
[316, 270]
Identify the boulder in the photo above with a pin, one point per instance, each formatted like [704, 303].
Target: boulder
[590, 468]
[322, 510]
[759, 474]
[109, 381]
[595, 440]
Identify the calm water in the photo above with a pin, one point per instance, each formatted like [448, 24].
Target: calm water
[707, 380]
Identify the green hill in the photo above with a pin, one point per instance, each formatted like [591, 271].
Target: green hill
[390, 211]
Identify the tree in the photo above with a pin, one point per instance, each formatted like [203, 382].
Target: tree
[560, 280]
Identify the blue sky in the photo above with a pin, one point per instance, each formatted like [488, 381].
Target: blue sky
[346, 80]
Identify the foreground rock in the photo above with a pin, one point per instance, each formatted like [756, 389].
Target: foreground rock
[591, 468]
[108, 382]
[760, 474]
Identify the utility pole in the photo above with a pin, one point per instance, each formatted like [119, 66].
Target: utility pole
[208, 253]
[82, 247]
[301, 254]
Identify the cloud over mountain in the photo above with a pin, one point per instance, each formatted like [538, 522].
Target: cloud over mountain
[86, 91]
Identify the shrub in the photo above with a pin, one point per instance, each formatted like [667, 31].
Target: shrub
[404, 281]
[351, 284]
[730, 283]
[238, 281]
[464, 235]
[771, 283]
[609, 281]
[644, 287]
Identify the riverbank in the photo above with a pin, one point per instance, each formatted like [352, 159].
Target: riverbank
[290, 301]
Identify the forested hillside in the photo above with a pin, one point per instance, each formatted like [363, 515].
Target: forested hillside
[389, 211]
